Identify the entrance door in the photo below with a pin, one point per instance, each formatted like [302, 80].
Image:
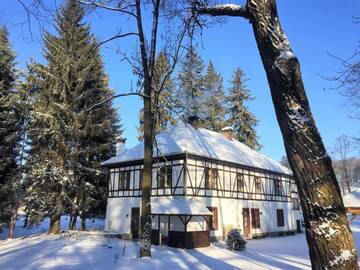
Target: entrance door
[135, 221]
[246, 222]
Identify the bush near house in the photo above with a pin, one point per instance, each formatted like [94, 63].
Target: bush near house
[235, 241]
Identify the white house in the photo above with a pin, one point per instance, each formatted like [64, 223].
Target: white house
[204, 184]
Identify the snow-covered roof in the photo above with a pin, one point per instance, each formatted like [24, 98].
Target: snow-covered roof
[178, 206]
[184, 138]
[352, 199]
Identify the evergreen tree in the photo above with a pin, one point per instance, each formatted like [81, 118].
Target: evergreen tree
[10, 128]
[240, 118]
[191, 85]
[69, 139]
[214, 100]
[163, 100]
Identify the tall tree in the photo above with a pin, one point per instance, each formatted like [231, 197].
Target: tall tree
[167, 13]
[213, 100]
[163, 100]
[10, 130]
[191, 84]
[240, 118]
[328, 234]
[68, 139]
[342, 149]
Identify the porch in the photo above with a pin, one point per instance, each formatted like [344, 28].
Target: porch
[180, 223]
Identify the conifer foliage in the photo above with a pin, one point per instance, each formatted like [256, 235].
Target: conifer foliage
[10, 129]
[191, 84]
[163, 109]
[69, 138]
[214, 100]
[240, 118]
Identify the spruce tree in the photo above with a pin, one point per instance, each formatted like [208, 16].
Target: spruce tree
[213, 100]
[163, 100]
[240, 118]
[191, 85]
[69, 139]
[10, 127]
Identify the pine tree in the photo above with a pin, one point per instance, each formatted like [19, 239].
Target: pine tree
[163, 101]
[191, 85]
[69, 139]
[240, 118]
[213, 100]
[10, 127]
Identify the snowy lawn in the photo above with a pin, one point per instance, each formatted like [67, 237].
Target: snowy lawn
[39, 251]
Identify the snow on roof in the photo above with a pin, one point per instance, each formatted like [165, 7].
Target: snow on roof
[184, 138]
[178, 206]
[352, 199]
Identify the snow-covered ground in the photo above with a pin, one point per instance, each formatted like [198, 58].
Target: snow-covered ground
[35, 251]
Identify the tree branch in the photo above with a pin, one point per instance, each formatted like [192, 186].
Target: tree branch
[116, 96]
[221, 10]
[101, 5]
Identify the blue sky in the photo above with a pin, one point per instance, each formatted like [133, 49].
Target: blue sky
[314, 28]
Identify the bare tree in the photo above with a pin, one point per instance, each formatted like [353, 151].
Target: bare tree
[328, 234]
[138, 11]
[342, 149]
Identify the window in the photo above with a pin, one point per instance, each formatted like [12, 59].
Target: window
[295, 203]
[280, 217]
[255, 218]
[257, 185]
[210, 178]
[164, 177]
[278, 187]
[240, 182]
[124, 180]
[213, 218]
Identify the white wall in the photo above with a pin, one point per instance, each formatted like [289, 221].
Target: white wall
[229, 209]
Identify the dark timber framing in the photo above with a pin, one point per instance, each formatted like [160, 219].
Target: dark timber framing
[186, 167]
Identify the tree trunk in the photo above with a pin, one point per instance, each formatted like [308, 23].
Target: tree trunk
[83, 223]
[72, 222]
[12, 223]
[328, 234]
[330, 240]
[26, 221]
[54, 227]
[147, 66]
[145, 228]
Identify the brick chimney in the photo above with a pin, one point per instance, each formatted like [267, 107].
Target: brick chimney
[228, 132]
[193, 120]
[120, 145]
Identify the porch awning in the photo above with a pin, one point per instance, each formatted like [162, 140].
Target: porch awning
[178, 206]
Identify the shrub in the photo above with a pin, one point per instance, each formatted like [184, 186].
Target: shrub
[235, 241]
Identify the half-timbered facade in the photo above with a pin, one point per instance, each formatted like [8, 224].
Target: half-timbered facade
[204, 184]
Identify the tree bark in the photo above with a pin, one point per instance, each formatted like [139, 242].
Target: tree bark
[83, 222]
[72, 222]
[147, 66]
[12, 223]
[26, 221]
[328, 234]
[54, 227]
[330, 240]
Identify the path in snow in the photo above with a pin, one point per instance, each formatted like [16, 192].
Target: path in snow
[36, 252]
